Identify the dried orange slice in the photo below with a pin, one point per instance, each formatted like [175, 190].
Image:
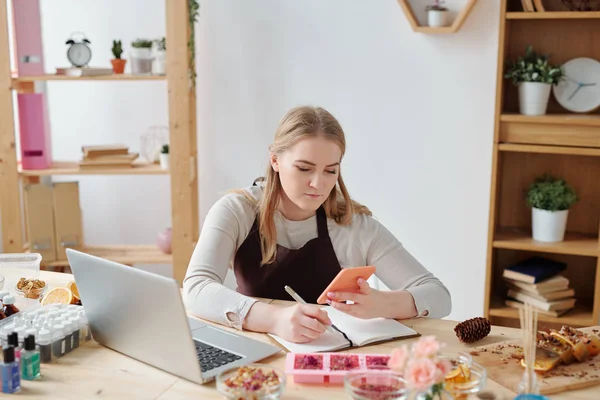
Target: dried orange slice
[452, 374]
[465, 371]
[72, 286]
[58, 295]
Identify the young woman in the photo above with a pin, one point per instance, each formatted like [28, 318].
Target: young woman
[299, 228]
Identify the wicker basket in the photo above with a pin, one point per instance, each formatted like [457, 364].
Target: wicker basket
[582, 5]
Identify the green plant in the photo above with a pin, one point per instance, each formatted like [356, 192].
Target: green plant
[436, 6]
[551, 194]
[193, 11]
[165, 149]
[141, 44]
[534, 67]
[161, 44]
[117, 49]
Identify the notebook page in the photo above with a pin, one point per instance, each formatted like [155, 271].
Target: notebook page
[326, 342]
[365, 331]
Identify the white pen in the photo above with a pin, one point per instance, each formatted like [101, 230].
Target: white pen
[300, 300]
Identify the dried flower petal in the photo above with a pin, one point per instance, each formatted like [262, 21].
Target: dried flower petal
[343, 362]
[252, 379]
[308, 361]
[377, 361]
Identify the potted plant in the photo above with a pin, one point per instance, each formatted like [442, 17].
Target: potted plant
[164, 156]
[437, 14]
[118, 63]
[534, 76]
[141, 57]
[550, 199]
[159, 66]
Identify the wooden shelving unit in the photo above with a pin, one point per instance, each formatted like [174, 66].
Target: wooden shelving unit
[181, 87]
[408, 10]
[559, 143]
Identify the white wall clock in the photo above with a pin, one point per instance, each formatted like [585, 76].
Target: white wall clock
[579, 90]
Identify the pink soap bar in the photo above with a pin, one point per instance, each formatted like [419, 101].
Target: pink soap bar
[331, 367]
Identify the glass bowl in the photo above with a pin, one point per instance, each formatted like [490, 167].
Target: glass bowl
[375, 384]
[460, 357]
[460, 386]
[251, 382]
[2, 282]
[33, 293]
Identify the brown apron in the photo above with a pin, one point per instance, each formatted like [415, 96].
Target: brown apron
[308, 270]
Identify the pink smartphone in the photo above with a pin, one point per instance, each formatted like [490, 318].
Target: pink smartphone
[345, 281]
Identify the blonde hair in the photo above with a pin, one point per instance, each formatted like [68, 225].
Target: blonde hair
[300, 123]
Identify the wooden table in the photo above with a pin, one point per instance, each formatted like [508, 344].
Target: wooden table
[93, 371]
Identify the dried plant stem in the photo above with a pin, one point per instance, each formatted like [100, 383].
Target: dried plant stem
[528, 317]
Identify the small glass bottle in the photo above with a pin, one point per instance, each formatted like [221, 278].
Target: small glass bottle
[11, 375]
[76, 328]
[9, 305]
[44, 341]
[4, 332]
[58, 340]
[30, 360]
[13, 341]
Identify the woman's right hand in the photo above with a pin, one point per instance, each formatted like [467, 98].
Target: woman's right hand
[301, 323]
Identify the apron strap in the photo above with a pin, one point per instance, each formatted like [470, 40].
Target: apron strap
[322, 222]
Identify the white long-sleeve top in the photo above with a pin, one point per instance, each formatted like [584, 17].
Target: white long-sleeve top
[364, 242]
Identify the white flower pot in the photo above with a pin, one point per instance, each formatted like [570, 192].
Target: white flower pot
[437, 18]
[159, 65]
[164, 161]
[533, 97]
[141, 61]
[549, 226]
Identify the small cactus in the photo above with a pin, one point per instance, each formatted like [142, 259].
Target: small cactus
[117, 49]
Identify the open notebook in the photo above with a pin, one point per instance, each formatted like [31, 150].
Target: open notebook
[359, 332]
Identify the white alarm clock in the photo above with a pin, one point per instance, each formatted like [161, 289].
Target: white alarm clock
[79, 52]
[579, 90]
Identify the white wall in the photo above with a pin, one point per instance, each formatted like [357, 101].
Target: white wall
[417, 110]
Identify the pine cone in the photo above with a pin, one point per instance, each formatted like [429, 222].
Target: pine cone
[473, 329]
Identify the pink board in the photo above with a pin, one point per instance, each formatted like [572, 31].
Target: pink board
[36, 147]
[28, 37]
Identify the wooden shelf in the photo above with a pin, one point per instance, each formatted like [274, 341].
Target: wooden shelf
[553, 119]
[529, 148]
[434, 30]
[454, 27]
[560, 143]
[554, 15]
[134, 254]
[120, 77]
[581, 315]
[72, 168]
[574, 243]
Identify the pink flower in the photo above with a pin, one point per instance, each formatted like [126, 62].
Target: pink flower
[422, 373]
[427, 346]
[444, 367]
[398, 359]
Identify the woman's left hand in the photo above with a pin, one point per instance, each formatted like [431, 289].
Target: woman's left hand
[368, 302]
[373, 303]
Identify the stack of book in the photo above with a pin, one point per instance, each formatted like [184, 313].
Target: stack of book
[538, 281]
[106, 156]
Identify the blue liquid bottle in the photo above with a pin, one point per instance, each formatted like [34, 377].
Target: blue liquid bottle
[11, 376]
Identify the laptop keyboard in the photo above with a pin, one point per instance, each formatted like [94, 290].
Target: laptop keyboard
[211, 357]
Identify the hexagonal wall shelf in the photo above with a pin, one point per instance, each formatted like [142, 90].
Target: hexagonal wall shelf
[456, 24]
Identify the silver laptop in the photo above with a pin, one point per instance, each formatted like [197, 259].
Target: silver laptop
[141, 315]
